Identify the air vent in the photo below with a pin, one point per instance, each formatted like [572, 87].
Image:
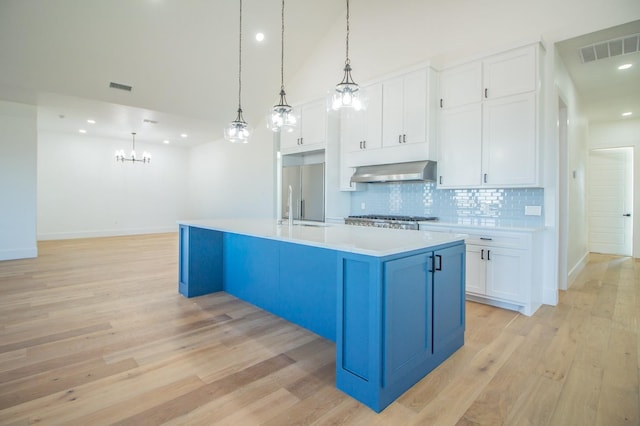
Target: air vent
[608, 49]
[120, 86]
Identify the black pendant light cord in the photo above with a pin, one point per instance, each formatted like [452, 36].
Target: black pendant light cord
[347, 60]
[282, 51]
[240, 63]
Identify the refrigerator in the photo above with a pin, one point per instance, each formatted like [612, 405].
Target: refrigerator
[307, 185]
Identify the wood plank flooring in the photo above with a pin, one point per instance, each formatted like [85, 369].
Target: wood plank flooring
[94, 332]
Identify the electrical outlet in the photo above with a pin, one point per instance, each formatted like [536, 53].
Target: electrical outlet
[533, 210]
[362, 205]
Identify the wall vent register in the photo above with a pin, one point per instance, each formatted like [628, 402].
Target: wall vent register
[607, 49]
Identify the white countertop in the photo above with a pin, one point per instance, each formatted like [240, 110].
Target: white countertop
[487, 223]
[348, 238]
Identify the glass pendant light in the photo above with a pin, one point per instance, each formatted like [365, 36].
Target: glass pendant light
[347, 94]
[281, 117]
[238, 130]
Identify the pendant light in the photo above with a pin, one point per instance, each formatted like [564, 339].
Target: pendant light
[238, 130]
[347, 93]
[146, 157]
[281, 117]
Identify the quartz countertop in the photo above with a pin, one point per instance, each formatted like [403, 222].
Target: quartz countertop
[348, 238]
[488, 223]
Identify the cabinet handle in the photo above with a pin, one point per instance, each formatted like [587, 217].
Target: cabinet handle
[486, 93]
[439, 267]
[301, 141]
[404, 138]
[440, 102]
[486, 239]
[364, 144]
[488, 254]
[440, 180]
[433, 264]
[482, 254]
[360, 144]
[399, 138]
[485, 178]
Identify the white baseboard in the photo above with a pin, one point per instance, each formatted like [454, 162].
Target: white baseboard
[105, 233]
[12, 254]
[577, 268]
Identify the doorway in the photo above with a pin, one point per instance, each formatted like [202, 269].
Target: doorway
[610, 201]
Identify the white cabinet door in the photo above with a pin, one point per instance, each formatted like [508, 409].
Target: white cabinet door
[460, 147]
[404, 109]
[507, 274]
[461, 85]
[311, 133]
[362, 130]
[475, 269]
[509, 141]
[510, 73]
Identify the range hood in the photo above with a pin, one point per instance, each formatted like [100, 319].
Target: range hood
[396, 172]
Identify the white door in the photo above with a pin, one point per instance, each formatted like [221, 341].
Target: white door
[610, 197]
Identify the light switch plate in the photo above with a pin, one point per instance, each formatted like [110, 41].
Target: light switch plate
[533, 210]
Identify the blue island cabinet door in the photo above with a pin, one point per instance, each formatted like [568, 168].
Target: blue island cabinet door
[407, 316]
[448, 299]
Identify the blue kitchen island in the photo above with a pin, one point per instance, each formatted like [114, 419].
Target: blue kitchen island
[391, 300]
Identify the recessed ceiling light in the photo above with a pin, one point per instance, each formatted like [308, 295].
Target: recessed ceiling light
[260, 36]
[82, 131]
[166, 141]
[627, 114]
[625, 66]
[184, 135]
[91, 121]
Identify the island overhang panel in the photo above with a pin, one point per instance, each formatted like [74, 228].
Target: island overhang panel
[393, 301]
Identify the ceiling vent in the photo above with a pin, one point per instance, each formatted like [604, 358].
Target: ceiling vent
[120, 86]
[608, 49]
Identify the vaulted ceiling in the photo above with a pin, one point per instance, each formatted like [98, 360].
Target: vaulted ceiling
[181, 58]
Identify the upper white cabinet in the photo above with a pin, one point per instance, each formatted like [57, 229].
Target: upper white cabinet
[362, 130]
[404, 109]
[488, 123]
[311, 133]
[461, 85]
[396, 125]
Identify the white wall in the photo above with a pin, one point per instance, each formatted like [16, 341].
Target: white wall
[623, 133]
[84, 192]
[228, 180]
[574, 173]
[18, 144]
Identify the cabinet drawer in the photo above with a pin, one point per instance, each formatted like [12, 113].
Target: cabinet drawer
[493, 239]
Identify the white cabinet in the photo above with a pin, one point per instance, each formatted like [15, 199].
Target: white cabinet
[502, 266]
[362, 130]
[404, 109]
[500, 93]
[311, 133]
[397, 125]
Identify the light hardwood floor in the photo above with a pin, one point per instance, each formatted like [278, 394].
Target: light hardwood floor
[94, 332]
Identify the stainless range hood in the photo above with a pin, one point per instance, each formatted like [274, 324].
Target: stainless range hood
[424, 171]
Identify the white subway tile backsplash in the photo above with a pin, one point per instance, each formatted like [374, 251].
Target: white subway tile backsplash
[423, 199]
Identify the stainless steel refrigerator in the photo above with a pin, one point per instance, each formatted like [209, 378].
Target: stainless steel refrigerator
[307, 184]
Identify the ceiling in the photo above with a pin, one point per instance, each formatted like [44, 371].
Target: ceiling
[181, 58]
[605, 92]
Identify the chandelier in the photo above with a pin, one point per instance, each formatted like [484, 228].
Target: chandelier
[146, 157]
[238, 130]
[281, 117]
[347, 93]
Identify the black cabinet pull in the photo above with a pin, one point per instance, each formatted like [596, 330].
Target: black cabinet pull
[440, 102]
[488, 254]
[627, 215]
[486, 239]
[440, 180]
[482, 254]
[404, 138]
[433, 264]
[485, 178]
[364, 144]
[399, 138]
[486, 93]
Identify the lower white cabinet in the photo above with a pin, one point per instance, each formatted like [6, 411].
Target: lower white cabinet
[502, 267]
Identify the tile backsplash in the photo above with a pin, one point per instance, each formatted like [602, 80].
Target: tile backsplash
[423, 199]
